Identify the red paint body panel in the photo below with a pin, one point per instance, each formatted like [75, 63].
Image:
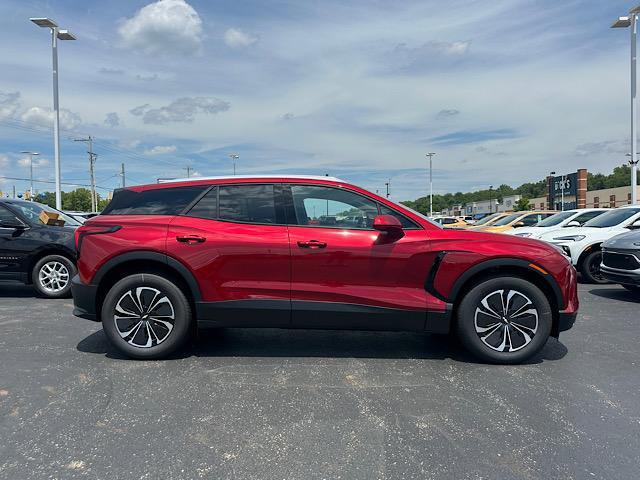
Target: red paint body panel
[236, 261]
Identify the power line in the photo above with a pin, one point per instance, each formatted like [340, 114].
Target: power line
[51, 181]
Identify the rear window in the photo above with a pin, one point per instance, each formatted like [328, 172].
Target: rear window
[161, 201]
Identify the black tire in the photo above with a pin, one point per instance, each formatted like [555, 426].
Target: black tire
[590, 268]
[159, 340]
[51, 276]
[488, 290]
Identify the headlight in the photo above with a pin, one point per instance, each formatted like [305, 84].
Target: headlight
[571, 238]
[522, 234]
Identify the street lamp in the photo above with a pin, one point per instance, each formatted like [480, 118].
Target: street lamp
[234, 157]
[31, 155]
[490, 199]
[625, 22]
[430, 155]
[56, 34]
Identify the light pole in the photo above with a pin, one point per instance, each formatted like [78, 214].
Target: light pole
[31, 155]
[551, 174]
[490, 199]
[234, 157]
[56, 34]
[624, 22]
[430, 155]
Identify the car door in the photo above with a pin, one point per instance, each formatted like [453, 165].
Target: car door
[345, 274]
[14, 246]
[235, 242]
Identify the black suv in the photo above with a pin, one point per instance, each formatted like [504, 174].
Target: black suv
[35, 253]
[621, 260]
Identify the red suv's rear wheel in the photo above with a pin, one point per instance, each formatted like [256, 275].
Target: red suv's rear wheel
[504, 320]
[146, 316]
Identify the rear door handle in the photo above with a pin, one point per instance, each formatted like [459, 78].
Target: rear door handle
[190, 239]
[312, 244]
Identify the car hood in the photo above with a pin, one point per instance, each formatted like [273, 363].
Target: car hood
[628, 240]
[535, 247]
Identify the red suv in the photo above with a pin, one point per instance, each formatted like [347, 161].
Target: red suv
[309, 252]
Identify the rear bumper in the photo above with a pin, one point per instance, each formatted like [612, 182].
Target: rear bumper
[84, 299]
[628, 277]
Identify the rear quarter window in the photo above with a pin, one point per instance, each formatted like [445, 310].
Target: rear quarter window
[160, 201]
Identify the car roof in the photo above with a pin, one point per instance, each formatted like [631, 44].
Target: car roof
[251, 177]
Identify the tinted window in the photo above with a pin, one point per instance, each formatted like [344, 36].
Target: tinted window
[32, 211]
[247, 203]
[556, 219]
[332, 207]
[7, 216]
[207, 206]
[507, 220]
[585, 217]
[449, 221]
[612, 217]
[531, 220]
[159, 201]
[406, 223]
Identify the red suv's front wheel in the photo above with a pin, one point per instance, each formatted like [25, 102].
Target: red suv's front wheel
[504, 320]
[146, 316]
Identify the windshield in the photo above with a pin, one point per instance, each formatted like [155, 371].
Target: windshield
[487, 219]
[32, 211]
[556, 219]
[612, 218]
[507, 220]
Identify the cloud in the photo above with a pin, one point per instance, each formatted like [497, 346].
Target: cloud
[37, 162]
[181, 110]
[9, 103]
[44, 116]
[112, 119]
[618, 147]
[236, 38]
[111, 71]
[448, 113]
[468, 136]
[147, 78]
[288, 116]
[163, 27]
[4, 161]
[160, 150]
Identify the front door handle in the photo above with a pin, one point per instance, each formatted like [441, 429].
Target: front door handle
[312, 244]
[190, 239]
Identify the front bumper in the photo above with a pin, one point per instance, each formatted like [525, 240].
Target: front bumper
[84, 299]
[566, 321]
[623, 277]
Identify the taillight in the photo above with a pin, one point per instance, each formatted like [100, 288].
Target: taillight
[86, 230]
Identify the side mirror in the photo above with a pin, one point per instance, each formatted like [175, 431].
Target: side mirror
[518, 224]
[635, 225]
[573, 223]
[16, 224]
[388, 224]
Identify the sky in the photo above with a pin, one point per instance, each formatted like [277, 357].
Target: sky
[503, 91]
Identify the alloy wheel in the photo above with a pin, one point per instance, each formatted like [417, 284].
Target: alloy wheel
[144, 317]
[53, 276]
[506, 320]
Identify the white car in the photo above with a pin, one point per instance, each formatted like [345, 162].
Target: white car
[583, 244]
[568, 218]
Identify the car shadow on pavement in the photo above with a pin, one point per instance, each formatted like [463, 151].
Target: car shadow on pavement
[616, 294]
[16, 290]
[244, 342]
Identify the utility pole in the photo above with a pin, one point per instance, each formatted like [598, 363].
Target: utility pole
[387, 185]
[122, 174]
[430, 155]
[92, 160]
[31, 155]
[188, 169]
[490, 199]
[14, 191]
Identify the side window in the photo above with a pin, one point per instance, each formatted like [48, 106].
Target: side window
[530, 220]
[449, 221]
[317, 206]
[207, 207]
[7, 216]
[247, 204]
[585, 217]
[406, 223]
[155, 201]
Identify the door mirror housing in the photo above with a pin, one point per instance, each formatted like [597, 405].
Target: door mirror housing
[635, 225]
[388, 224]
[573, 223]
[518, 224]
[15, 224]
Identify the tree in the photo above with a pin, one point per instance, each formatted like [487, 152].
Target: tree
[522, 204]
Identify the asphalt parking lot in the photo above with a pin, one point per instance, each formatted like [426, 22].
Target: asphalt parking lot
[278, 404]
